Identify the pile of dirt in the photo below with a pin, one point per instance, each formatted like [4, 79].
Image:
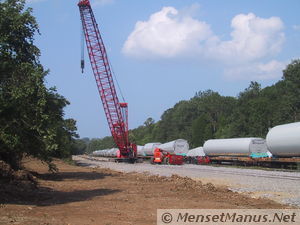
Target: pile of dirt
[186, 186]
[181, 183]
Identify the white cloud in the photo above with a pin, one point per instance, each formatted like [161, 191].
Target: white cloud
[252, 38]
[101, 2]
[258, 71]
[166, 34]
[170, 33]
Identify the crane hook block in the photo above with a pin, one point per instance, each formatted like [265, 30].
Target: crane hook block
[82, 65]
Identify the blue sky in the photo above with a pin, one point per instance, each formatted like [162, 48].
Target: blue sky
[164, 51]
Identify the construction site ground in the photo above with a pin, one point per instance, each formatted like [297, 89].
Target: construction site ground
[278, 185]
[84, 195]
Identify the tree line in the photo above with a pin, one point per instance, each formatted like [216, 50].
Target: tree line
[210, 115]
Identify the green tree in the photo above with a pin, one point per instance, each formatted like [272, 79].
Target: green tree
[149, 122]
[202, 130]
[31, 116]
[79, 147]
[291, 77]
[100, 144]
[243, 118]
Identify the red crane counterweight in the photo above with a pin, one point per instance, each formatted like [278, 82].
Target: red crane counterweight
[116, 112]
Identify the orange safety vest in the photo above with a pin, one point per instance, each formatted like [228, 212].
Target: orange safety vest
[157, 155]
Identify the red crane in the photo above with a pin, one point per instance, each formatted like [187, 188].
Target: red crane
[116, 112]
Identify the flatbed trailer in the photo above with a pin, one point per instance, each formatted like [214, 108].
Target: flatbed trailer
[287, 163]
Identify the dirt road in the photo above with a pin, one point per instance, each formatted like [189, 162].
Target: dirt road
[80, 195]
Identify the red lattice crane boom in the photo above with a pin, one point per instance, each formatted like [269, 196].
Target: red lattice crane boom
[116, 112]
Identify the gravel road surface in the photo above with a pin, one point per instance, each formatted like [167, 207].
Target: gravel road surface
[281, 186]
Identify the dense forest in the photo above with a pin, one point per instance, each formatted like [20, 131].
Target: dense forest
[31, 115]
[210, 115]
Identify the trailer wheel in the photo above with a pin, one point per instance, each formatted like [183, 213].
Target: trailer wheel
[167, 161]
[152, 160]
[139, 160]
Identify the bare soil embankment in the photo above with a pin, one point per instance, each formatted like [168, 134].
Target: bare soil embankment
[80, 195]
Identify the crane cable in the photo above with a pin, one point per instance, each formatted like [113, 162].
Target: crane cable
[115, 77]
[112, 71]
